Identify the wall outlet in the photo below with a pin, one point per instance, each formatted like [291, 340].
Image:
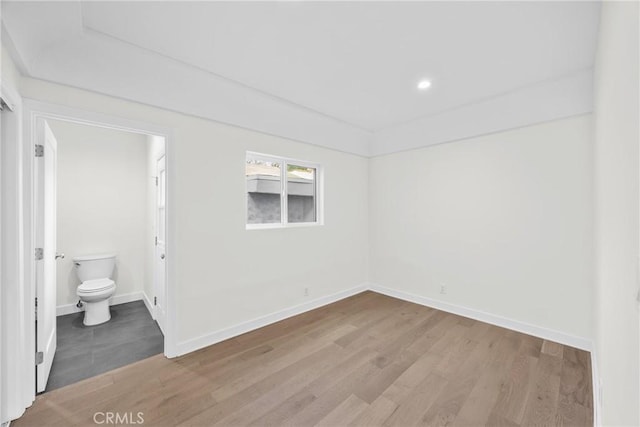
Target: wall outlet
[443, 288]
[306, 292]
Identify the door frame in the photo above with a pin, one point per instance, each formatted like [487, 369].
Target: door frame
[34, 110]
[13, 346]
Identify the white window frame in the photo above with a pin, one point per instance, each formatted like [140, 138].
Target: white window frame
[284, 200]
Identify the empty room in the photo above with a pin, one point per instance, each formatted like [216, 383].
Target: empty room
[336, 213]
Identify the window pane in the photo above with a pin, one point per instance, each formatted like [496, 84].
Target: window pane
[263, 191]
[301, 197]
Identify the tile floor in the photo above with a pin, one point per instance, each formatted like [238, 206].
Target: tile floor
[86, 351]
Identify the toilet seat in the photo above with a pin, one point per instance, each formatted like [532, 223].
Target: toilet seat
[95, 285]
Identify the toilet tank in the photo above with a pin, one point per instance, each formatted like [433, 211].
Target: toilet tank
[98, 266]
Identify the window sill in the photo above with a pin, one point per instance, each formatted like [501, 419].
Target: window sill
[270, 226]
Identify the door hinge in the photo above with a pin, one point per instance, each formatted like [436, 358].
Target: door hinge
[36, 308]
[156, 181]
[39, 254]
[39, 357]
[156, 241]
[39, 150]
[155, 300]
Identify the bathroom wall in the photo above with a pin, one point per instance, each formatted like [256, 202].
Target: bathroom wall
[102, 204]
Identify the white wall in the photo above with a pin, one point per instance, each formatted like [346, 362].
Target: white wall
[503, 220]
[227, 274]
[102, 202]
[617, 214]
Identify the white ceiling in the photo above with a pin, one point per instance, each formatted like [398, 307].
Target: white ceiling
[314, 71]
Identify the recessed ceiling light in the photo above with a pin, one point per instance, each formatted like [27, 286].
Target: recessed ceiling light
[424, 84]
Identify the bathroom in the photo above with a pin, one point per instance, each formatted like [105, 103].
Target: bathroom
[110, 187]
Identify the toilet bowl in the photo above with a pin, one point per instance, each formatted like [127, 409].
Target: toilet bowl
[95, 271]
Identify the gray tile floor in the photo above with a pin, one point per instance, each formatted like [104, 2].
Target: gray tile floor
[86, 351]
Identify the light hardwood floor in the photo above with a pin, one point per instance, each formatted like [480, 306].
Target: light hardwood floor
[367, 360]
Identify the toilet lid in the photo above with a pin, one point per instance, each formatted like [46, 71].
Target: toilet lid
[95, 285]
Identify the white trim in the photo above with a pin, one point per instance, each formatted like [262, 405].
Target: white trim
[504, 322]
[194, 344]
[61, 310]
[89, 118]
[596, 389]
[16, 347]
[147, 303]
[272, 225]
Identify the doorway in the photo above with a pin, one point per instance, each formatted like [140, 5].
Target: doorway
[88, 202]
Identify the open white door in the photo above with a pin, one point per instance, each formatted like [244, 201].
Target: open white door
[160, 265]
[45, 192]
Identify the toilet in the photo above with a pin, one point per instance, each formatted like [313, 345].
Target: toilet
[95, 271]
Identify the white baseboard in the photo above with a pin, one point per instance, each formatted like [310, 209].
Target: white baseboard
[239, 329]
[597, 389]
[61, 310]
[148, 304]
[194, 344]
[504, 322]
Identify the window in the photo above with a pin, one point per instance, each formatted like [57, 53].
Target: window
[281, 192]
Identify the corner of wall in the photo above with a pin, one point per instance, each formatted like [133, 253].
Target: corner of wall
[597, 388]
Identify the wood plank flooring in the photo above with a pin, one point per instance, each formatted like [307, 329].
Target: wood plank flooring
[367, 360]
